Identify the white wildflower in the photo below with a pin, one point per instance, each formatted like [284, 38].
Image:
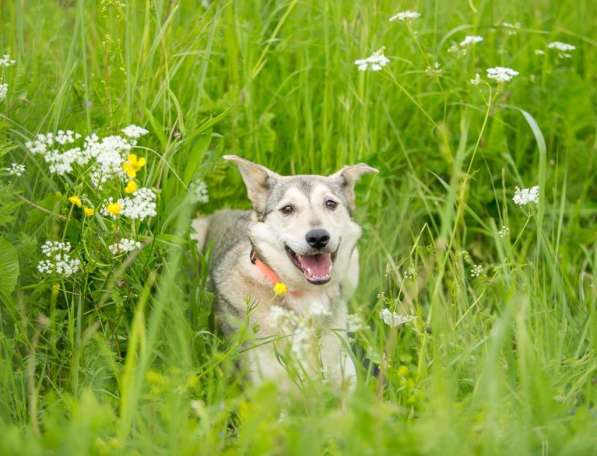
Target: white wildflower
[134, 131]
[434, 70]
[354, 323]
[410, 272]
[405, 16]
[15, 169]
[476, 270]
[394, 319]
[470, 40]
[3, 90]
[141, 205]
[375, 61]
[511, 28]
[104, 156]
[198, 190]
[108, 154]
[476, 80]
[62, 162]
[317, 309]
[501, 74]
[524, 196]
[124, 246]
[562, 47]
[63, 137]
[504, 231]
[58, 259]
[277, 316]
[6, 61]
[299, 332]
[301, 339]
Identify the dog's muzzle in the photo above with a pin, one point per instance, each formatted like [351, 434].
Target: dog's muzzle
[316, 267]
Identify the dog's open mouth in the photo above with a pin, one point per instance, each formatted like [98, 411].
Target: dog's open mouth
[317, 268]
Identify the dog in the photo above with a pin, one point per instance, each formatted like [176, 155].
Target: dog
[286, 269]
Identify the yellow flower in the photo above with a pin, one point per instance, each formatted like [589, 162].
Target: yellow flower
[114, 208]
[403, 371]
[131, 187]
[133, 165]
[280, 289]
[88, 211]
[75, 200]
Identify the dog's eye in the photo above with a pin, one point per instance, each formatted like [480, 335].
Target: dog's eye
[331, 204]
[287, 210]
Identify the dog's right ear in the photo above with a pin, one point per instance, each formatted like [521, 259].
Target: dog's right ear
[258, 180]
[348, 178]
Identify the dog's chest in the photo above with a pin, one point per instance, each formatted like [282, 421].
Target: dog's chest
[317, 305]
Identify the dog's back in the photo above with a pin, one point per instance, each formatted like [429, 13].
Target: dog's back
[222, 230]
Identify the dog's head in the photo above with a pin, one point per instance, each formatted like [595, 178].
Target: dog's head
[303, 227]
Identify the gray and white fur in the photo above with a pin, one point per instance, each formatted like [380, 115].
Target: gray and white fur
[301, 227]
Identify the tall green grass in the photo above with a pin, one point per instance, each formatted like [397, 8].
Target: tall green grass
[124, 358]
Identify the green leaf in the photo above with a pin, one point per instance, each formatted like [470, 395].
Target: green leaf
[195, 156]
[9, 267]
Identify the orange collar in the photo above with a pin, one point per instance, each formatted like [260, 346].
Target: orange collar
[278, 287]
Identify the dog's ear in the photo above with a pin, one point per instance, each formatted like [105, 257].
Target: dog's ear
[258, 180]
[348, 176]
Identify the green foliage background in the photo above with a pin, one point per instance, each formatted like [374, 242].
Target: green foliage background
[123, 358]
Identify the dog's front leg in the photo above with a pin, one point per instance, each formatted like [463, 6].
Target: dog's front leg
[263, 365]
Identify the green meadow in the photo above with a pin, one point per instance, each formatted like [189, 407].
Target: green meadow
[107, 348]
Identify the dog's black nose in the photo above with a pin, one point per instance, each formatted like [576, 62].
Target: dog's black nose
[318, 238]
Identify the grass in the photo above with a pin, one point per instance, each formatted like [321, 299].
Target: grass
[123, 358]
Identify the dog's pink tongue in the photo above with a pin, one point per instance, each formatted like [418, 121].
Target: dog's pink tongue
[316, 267]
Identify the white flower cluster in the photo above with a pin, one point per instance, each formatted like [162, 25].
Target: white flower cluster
[355, 323]
[501, 74]
[470, 40]
[15, 169]
[433, 70]
[104, 155]
[109, 154]
[476, 270]
[467, 42]
[394, 319]
[198, 190]
[3, 90]
[318, 310]
[6, 61]
[524, 196]
[410, 273]
[405, 16]
[476, 80]
[564, 49]
[134, 131]
[58, 259]
[141, 205]
[511, 28]
[124, 246]
[504, 231]
[375, 62]
[299, 332]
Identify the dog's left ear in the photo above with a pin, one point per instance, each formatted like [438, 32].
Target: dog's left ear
[258, 179]
[349, 176]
